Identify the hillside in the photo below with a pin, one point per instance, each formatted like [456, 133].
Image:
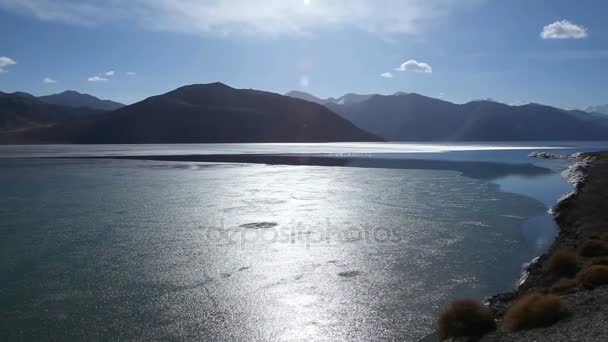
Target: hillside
[211, 113]
[413, 117]
[19, 111]
[75, 99]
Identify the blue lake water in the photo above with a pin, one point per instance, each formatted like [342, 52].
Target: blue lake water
[135, 249]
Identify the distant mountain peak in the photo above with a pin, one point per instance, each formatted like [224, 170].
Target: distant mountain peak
[306, 97]
[602, 109]
[74, 99]
[24, 94]
[71, 92]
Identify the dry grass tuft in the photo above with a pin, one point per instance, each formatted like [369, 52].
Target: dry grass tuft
[465, 318]
[593, 248]
[563, 263]
[563, 286]
[593, 276]
[535, 310]
[600, 261]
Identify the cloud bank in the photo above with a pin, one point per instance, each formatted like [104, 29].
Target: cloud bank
[415, 66]
[564, 29]
[224, 17]
[5, 62]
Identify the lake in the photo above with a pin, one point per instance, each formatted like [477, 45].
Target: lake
[151, 249]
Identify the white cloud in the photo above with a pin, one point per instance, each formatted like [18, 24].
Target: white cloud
[97, 79]
[563, 30]
[5, 61]
[130, 73]
[109, 73]
[387, 75]
[245, 16]
[415, 66]
[49, 80]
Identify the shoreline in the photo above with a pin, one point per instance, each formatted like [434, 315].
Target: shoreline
[532, 272]
[579, 215]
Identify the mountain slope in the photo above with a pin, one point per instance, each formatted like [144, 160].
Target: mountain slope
[597, 109]
[305, 96]
[75, 99]
[347, 99]
[215, 113]
[19, 111]
[411, 117]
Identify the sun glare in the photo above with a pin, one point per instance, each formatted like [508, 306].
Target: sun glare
[306, 2]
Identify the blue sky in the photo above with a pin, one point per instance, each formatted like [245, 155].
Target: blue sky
[553, 52]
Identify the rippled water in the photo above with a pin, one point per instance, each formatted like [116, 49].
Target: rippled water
[108, 249]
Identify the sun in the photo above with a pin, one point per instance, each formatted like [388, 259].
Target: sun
[306, 2]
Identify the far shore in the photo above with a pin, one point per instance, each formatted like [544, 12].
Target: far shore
[473, 169]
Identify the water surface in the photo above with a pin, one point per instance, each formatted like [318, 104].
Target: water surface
[131, 249]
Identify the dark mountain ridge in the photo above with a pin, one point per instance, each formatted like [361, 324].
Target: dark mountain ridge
[414, 117]
[211, 113]
[18, 111]
[75, 99]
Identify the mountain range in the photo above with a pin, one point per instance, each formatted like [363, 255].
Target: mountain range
[217, 113]
[348, 99]
[22, 111]
[201, 113]
[75, 99]
[414, 117]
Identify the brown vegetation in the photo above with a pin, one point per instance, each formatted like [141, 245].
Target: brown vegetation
[563, 286]
[534, 310]
[593, 276]
[465, 318]
[599, 261]
[593, 248]
[563, 262]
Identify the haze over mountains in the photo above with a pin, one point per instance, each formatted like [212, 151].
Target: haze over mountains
[413, 117]
[347, 99]
[217, 113]
[597, 109]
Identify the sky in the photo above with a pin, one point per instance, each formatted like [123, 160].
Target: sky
[513, 51]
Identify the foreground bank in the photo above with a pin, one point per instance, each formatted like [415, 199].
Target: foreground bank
[563, 297]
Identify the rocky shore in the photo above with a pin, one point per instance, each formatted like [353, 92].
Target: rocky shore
[580, 216]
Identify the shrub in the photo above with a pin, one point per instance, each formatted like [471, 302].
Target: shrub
[465, 318]
[600, 261]
[563, 286]
[593, 276]
[534, 310]
[593, 248]
[563, 263]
